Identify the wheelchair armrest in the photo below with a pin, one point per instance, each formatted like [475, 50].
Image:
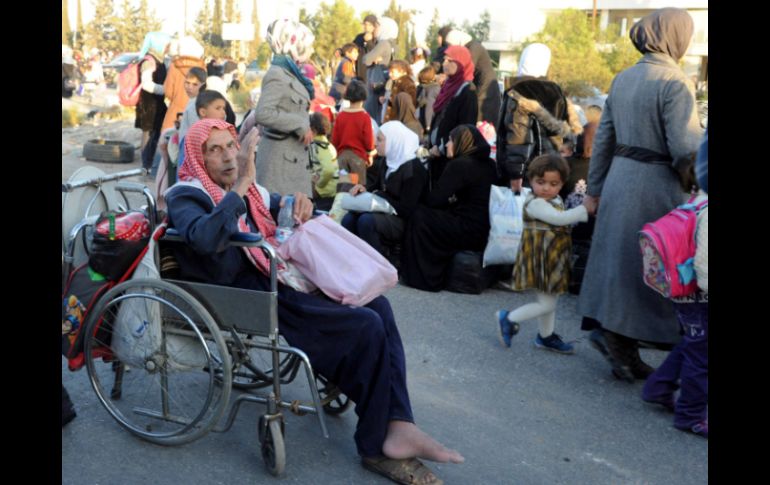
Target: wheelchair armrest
[240, 239]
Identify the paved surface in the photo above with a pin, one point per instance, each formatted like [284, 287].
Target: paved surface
[520, 416]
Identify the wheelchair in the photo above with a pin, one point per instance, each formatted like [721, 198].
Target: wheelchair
[164, 355]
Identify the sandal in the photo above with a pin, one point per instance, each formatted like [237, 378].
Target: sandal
[407, 471]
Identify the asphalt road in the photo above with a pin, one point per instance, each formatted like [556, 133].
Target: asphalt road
[519, 415]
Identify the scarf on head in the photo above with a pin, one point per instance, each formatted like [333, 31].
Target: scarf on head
[401, 145]
[194, 169]
[667, 31]
[535, 60]
[291, 67]
[155, 43]
[458, 37]
[290, 38]
[469, 143]
[462, 57]
[388, 29]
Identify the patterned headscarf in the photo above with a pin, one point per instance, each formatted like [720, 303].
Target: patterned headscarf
[401, 145]
[287, 37]
[194, 169]
[462, 57]
[667, 30]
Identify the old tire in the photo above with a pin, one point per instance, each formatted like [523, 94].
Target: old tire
[108, 151]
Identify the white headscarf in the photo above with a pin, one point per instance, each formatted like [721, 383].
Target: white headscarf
[388, 29]
[188, 46]
[287, 37]
[458, 37]
[401, 145]
[216, 83]
[535, 60]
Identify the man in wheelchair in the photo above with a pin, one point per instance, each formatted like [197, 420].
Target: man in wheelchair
[358, 348]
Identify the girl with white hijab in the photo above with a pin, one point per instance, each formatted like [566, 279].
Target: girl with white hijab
[404, 181]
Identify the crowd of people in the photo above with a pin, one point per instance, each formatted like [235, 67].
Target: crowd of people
[430, 135]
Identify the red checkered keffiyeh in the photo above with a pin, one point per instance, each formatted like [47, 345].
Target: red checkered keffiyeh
[195, 168]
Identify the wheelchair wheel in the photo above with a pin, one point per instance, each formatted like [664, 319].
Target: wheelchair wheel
[335, 402]
[257, 372]
[272, 445]
[170, 353]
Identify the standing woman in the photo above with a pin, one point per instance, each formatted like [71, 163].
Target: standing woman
[376, 62]
[456, 104]
[282, 159]
[188, 53]
[649, 124]
[151, 109]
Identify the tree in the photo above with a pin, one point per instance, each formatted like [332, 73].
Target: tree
[333, 26]
[412, 38]
[480, 30]
[77, 41]
[65, 22]
[202, 27]
[575, 61]
[618, 51]
[146, 20]
[100, 32]
[215, 41]
[254, 45]
[129, 35]
[402, 18]
[433, 28]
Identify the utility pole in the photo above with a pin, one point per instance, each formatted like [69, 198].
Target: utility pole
[593, 16]
[185, 17]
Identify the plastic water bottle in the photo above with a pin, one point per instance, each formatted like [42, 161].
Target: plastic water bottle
[285, 220]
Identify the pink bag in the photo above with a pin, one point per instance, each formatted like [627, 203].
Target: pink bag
[343, 266]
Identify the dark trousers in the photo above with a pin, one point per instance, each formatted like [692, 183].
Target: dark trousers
[685, 368]
[357, 348]
[148, 153]
[376, 229]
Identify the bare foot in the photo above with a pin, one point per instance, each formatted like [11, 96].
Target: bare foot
[406, 440]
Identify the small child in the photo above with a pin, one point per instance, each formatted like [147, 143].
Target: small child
[427, 92]
[544, 253]
[688, 362]
[346, 72]
[193, 83]
[323, 160]
[401, 98]
[353, 137]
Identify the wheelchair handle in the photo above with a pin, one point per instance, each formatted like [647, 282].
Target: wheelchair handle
[242, 239]
[96, 181]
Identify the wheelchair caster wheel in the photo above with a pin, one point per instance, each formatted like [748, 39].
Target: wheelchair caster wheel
[272, 445]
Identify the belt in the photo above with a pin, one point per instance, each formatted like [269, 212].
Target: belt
[643, 155]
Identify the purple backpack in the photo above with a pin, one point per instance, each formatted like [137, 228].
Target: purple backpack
[668, 251]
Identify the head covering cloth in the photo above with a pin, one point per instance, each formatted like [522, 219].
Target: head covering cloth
[666, 31]
[462, 57]
[469, 143]
[401, 145]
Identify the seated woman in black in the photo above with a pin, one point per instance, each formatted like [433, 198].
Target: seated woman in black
[457, 214]
[405, 179]
[359, 348]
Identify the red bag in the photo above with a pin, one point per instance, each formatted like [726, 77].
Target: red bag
[130, 83]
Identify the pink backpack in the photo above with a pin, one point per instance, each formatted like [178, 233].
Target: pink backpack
[130, 83]
[668, 251]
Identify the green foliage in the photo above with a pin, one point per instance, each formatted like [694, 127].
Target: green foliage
[71, 117]
[101, 31]
[202, 27]
[480, 30]
[430, 35]
[65, 22]
[333, 26]
[575, 61]
[618, 51]
[254, 44]
[403, 18]
[264, 55]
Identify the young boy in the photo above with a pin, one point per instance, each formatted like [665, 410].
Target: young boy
[346, 72]
[323, 159]
[193, 83]
[400, 82]
[353, 137]
[427, 92]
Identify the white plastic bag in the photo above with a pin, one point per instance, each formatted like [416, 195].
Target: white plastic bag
[367, 202]
[506, 225]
